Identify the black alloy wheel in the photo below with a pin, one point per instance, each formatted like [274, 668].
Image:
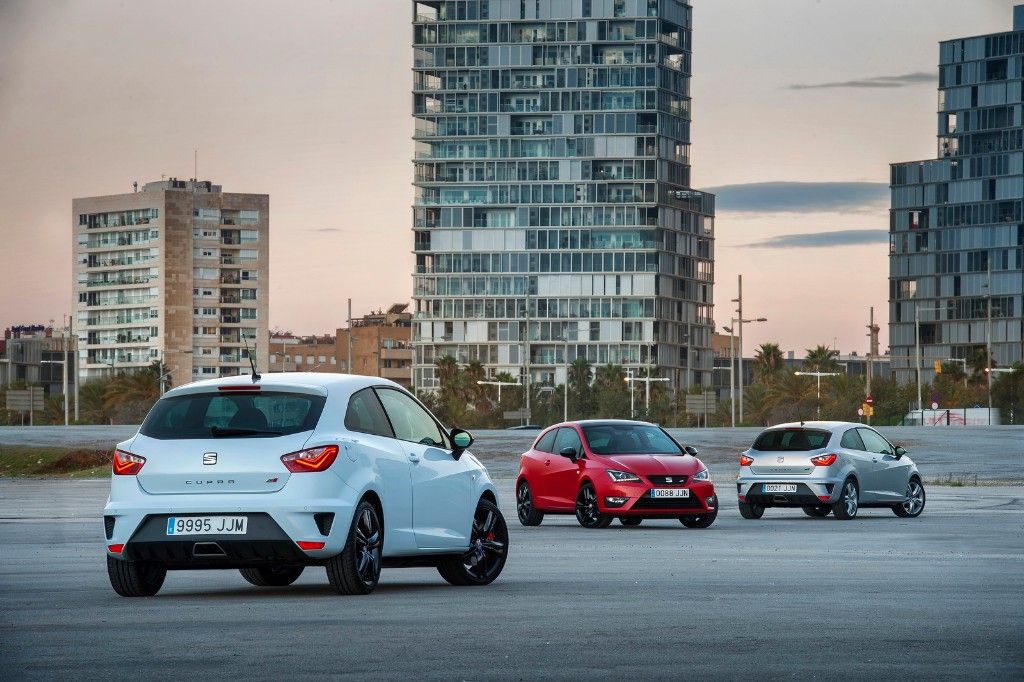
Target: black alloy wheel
[587, 512]
[528, 514]
[357, 569]
[488, 550]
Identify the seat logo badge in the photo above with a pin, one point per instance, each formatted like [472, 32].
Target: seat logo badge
[668, 479]
[209, 458]
[780, 460]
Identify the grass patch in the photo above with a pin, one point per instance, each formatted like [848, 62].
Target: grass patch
[30, 462]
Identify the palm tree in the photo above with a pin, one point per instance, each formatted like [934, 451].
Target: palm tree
[822, 359]
[128, 396]
[768, 361]
[793, 398]
[612, 392]
[581, 393]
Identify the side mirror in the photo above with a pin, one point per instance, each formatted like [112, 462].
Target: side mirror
[569, 452]
[900, 451]
[690, 450]
[460, 441]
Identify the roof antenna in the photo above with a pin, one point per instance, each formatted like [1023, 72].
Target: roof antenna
[252, 362]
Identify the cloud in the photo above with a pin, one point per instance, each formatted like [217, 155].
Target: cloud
[797, 197]
[823, 240]
[902, 81]
[328, 229]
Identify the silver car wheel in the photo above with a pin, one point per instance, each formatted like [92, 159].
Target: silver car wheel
[850, 498]
[915, 498]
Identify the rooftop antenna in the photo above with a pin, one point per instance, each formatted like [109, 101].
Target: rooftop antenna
[252, 361]
[135, 186]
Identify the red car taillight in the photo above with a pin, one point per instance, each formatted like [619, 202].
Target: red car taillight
[303, 544]
[746, 461]
[314, 459]
[115, 549]
[127, 464]
[823, 460]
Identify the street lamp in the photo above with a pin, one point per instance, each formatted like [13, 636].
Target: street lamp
[1001, 370]
[739, 319]
[499, 384]
[64, 371]
[160, 365]
[818, 375]
[731, 373]
[647, 399]
[917, 342]
[629, 380]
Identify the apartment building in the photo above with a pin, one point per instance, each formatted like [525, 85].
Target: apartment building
[554, 217]
[956, 264]
[175, 273]
[381, 346]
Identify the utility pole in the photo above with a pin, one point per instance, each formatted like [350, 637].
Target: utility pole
[78, 374]
[348, 361]
[872, 352]
[526, 355]
[739, 313]
[565, 395]
[629, 380]
[65, 339]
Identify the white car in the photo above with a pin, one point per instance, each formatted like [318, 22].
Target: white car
[272, 474]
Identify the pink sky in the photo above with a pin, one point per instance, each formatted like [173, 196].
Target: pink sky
[310, 103]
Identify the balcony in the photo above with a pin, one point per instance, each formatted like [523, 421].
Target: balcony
[230, 319]
[230, 298]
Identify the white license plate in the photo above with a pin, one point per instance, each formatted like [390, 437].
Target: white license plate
[778, 488]
[207, 525]
[670, 492]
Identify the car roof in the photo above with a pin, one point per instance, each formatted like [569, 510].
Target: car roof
[823, 425]
[325, 381]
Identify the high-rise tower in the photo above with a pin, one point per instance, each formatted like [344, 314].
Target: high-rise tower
[553, 189]
[956, 264]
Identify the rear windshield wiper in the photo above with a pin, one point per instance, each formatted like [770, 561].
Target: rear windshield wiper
[219, 432]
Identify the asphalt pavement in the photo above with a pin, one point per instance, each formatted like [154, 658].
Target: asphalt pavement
[781, 598]
[994, 454]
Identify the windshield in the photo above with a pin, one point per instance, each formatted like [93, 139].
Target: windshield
[797, 440]
[233, 415]
[629, 439]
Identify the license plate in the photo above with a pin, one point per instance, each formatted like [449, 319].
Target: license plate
[206, 525]
[670, 492]
[778, 487]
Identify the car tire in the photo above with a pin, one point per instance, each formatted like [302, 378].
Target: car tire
[135, 578]
[357, 569]
[488, 550]
[528, 514]
[818, 511]
[913, 505]
[272, 576]
[630, 520]
[587, 512]
[751, 510]
[700, 520]
[846, 507]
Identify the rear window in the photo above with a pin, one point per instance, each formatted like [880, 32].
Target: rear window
[236, 415]
[797, 440]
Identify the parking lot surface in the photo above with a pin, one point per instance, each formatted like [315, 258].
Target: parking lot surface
[783, 597]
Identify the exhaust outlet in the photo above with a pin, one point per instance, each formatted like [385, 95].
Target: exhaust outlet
[208, 549]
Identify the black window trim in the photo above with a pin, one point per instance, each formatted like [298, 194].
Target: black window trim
[536, 443]
[387, 419]
[446, 445]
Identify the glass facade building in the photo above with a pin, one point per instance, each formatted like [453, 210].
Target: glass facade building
[956, 226]
[553, 216]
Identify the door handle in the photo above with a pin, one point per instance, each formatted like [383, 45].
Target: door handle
[413, 457]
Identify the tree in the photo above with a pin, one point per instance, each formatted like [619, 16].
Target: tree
[768, 362]
[793, 399]
[129, 395]
[822, 359]
[582, 401]
[612, 392]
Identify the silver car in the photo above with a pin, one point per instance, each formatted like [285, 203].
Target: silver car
[827, 467]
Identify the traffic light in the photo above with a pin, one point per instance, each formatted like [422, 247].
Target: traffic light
[938, 366]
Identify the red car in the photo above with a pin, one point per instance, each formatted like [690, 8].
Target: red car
[602, 469]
